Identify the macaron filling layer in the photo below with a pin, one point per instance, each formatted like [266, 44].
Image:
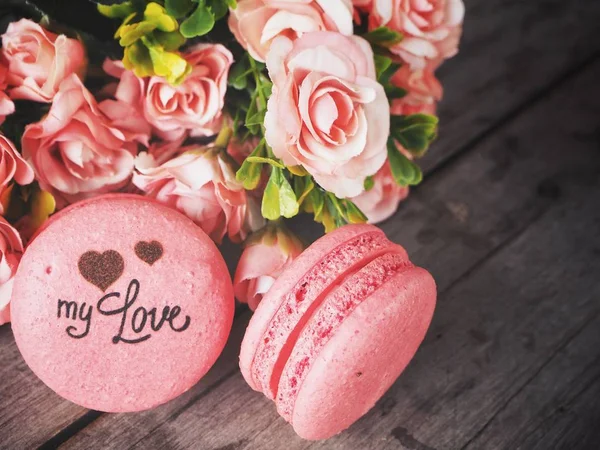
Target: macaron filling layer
[335, 308]
[305, 297]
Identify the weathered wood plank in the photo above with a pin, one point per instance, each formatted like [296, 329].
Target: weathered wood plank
[557, 408]
[28, 415]
[451, 223]
[509, 53]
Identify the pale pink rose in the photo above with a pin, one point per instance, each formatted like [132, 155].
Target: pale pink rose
[327, 112]
[255, 23]
[11, 248]
[431, 28]
[162, 151]
[382, 200]
[201, 184]
[7, 106]
[265, 256]
[423, 91]
[12, 167]
[38, 60]
[193, 107]
[82, 148]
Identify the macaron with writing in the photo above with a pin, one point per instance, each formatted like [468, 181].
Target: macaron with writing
[121, 304]
[336, 329]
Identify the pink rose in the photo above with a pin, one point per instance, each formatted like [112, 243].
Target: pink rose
[255, 23]
[431, 28]
[265, 256]
[201, 184]
[194, 106]
[39, 60]
[12, 167]
[423, 91]
[382, 200]
[78, 150]
[11, 248]
[327, 112]
[162, 151]
[6, 105]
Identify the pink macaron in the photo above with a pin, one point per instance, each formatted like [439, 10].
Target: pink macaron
[336, 329]
[120, 304]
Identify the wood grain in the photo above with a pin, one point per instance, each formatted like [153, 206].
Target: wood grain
[565, 416]
[512, 52]
[29, 413]
[471, 225]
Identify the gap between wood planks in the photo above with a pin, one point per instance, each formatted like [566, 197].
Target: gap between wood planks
[183, 409]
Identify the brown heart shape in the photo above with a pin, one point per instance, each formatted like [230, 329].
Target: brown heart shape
[149, 252]
[101, 269]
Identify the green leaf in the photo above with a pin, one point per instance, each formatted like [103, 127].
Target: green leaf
[369, 183]
[298, 171]
[287, 199]
[157, 15]
[178, 8]
[136, 57]
[393, 92]
[200, 22]
[250, 173]
[119, 11]
[270, 202]
[263, 160]
[414, 132]
[404, 171]
[279, 198]
[218, 8]
[258, 118]
[382, 64]
[238, 75]
[383, 36]
[168, 65]
[135, 31]
[303, 186]
[169, 41]
[353, 213]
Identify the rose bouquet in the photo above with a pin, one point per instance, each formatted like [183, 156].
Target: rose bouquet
[239, 114]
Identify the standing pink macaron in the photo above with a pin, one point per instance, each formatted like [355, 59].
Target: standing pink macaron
[336, 329]
[121, 304]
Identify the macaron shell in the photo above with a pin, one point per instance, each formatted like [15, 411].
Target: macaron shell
[93, 371]
[271, 302]
[299, 303]
[335, 308]
[367, 353]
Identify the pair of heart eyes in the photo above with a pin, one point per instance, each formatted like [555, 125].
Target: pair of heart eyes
[103, 269]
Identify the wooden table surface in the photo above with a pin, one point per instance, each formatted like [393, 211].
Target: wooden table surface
[507, 220]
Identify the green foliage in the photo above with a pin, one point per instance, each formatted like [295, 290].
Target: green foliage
[327, 209]
[152, 32]
[279, 198]
[199, 23]
[414, 132]
[250, 172]
[249, 77]
[383, 37]
[386, 68]
[179, 8]
[404, 171]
